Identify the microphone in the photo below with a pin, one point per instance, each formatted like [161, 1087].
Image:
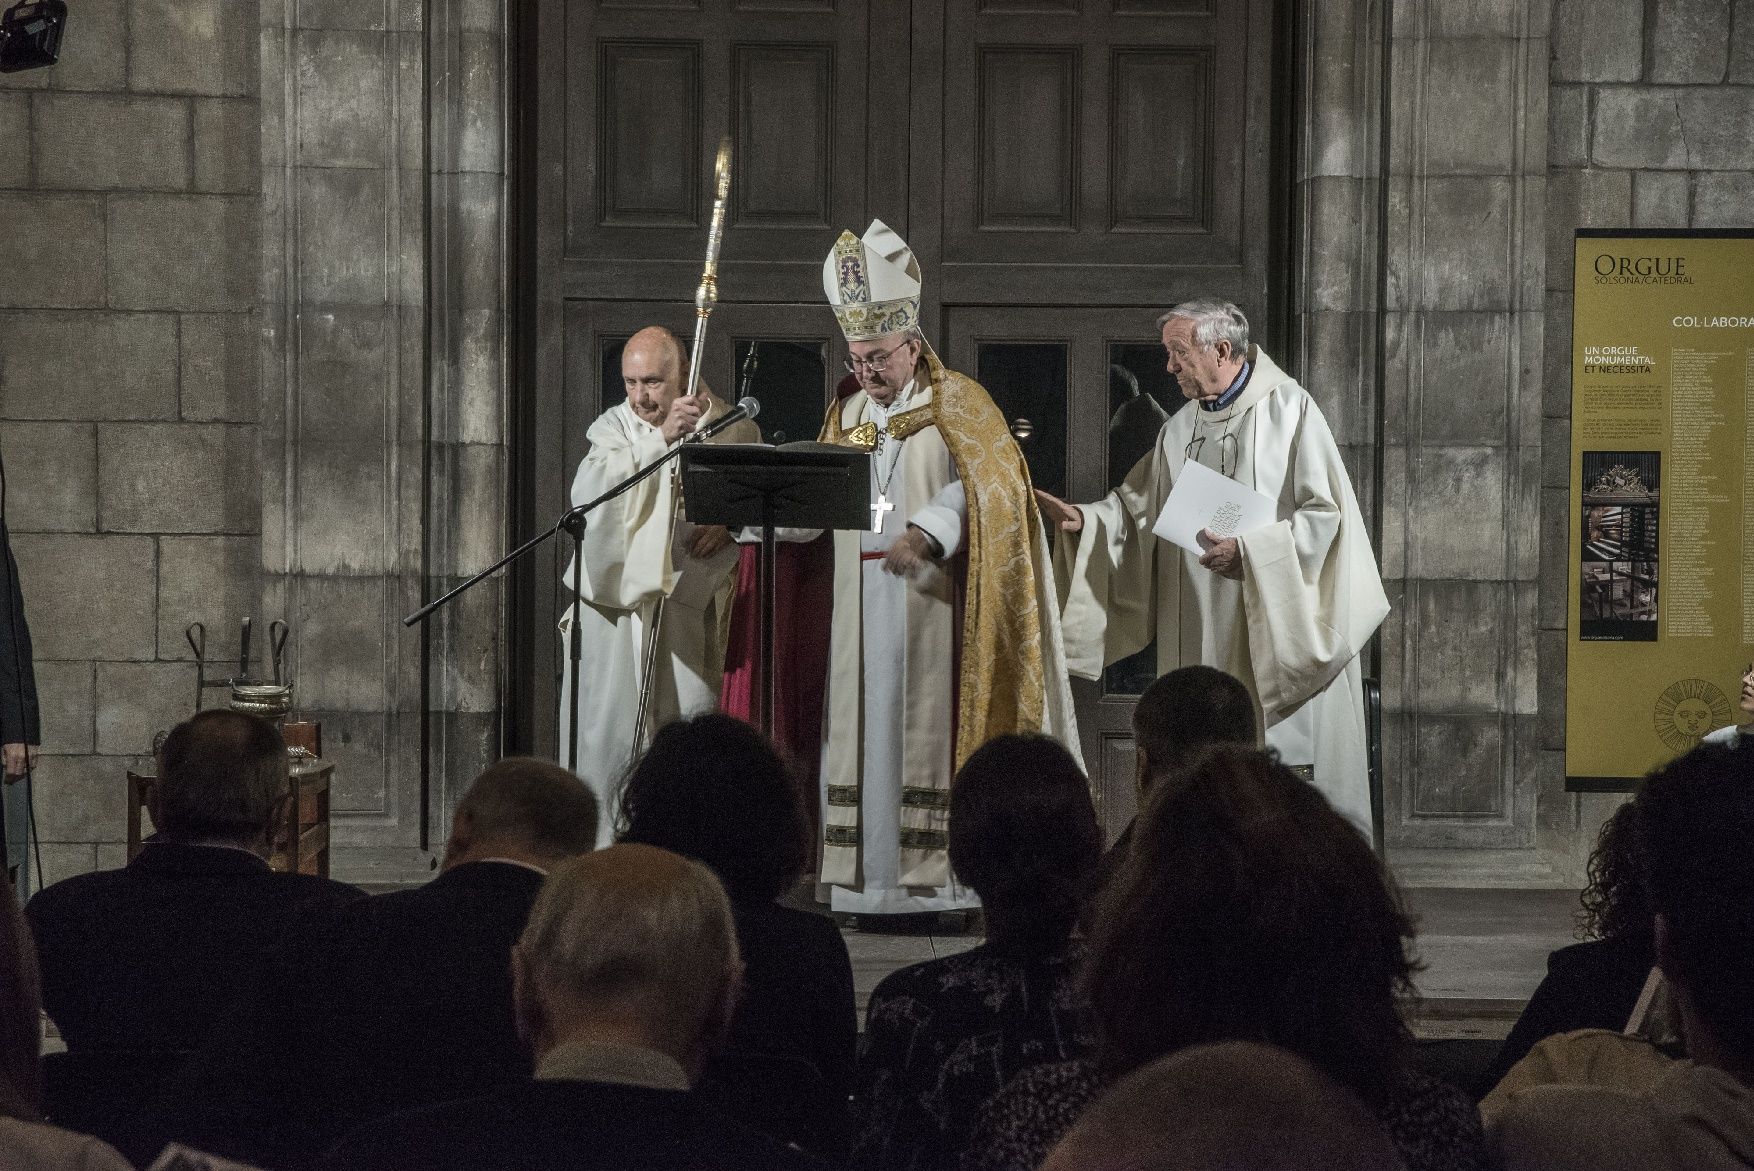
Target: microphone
[746, 408]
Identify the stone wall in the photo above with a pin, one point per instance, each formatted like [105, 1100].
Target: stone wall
[251, 355]
[1648, 127]
[129, 221]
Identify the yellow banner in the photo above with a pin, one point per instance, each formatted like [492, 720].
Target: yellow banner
[1661, 615]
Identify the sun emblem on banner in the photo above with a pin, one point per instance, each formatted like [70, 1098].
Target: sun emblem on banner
[1687, 710]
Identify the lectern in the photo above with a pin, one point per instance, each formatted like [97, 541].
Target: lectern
[798, 486]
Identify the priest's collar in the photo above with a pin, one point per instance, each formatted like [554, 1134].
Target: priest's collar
[1235, 391]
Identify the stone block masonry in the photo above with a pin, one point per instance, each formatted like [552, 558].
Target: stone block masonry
[129, 404]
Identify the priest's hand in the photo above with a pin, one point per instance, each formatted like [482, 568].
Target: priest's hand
[1069, 517]
[910, 553]
[19, 759]
[706, 540]
[683, 418]
[1223, 557]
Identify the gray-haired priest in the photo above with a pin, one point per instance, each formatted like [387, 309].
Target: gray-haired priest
[945, 630]
[1285, 607]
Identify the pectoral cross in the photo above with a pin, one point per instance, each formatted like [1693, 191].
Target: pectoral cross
[878, 507]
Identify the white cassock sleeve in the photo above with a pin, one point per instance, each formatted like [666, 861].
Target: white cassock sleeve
[943, 516]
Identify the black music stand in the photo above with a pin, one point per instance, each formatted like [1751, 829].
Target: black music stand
[798, 486]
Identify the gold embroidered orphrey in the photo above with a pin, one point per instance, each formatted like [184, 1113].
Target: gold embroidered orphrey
[1001, 684]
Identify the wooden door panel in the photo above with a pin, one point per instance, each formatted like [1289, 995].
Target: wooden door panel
[1099, 159]
[649, 97]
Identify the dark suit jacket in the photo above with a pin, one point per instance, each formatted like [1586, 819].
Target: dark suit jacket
[392, 1002]
[797, 991]
[564, 1126]
[797, 1007]
[19, 721]
[148, 957]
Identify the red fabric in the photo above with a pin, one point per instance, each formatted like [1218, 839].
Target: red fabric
[803, 600]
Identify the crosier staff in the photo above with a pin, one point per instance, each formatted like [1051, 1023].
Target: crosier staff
[706, 298]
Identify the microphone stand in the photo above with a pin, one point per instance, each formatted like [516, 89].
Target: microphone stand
[573, 521]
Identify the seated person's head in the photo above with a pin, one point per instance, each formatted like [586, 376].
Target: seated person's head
[222, 780]
[523, 809]
[1696, 829]
[1023, 835]
[1615, 903]
[631, 945]
[714, 789]
[1224, 1108]
[1247, 909]
[1184, 711]
[21, 1005]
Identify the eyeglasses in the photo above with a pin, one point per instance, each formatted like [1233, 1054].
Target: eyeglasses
[873, 362]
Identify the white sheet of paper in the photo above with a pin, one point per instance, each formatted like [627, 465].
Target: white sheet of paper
[1204, 499]
[697, 579]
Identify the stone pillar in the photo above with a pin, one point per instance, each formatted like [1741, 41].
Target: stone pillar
[383, 197]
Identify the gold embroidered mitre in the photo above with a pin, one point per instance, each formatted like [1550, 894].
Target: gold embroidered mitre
[873, 284]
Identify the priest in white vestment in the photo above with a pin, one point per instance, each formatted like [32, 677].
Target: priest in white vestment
[648, 575]
[945, 628]
[1287, 607]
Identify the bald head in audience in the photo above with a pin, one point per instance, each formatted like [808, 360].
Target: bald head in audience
[631, 946]
[1235, 1106]
[523, 810]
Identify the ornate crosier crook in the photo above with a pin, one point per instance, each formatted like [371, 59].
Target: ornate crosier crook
[707, 295]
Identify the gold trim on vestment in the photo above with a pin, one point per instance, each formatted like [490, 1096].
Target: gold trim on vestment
[910, 422]
[924, 839]
[863, 437]
[841, 835]
[843, 795]
[914, 797]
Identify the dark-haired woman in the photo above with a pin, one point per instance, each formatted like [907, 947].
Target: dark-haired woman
[712, 788]
[943, 1036]
[1594, 984]
[1247, 910]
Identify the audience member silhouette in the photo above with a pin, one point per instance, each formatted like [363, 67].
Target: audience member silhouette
[1180, 714]
[944, 1036]
[1594, 984]
[146, 957]
[1226, 1107]
[25, 1140]
[1247, 909]
[625, 980]
[713, 789]
[1694, 821]
[395, 1001]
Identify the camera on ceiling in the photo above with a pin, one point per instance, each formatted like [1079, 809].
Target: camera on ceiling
[30, 34]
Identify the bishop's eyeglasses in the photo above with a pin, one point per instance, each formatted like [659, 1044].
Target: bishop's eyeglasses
[873, 362]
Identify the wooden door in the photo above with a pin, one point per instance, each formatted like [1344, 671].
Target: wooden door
[1064, 169]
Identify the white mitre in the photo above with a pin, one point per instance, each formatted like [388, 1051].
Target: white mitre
[873, 284]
